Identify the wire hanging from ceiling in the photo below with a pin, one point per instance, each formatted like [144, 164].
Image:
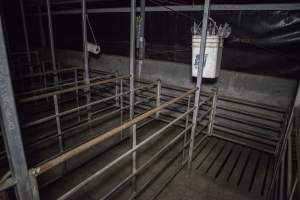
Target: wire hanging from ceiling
[157, 2]
[91, 28]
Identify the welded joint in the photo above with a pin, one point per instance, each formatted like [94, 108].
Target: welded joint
[7, 183]
[34, 184]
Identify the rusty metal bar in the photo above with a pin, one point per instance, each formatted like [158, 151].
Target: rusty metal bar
[61, 85]
[42, 96]
[39, 121]
[129, 152]
[52, 72]
[147, 164]
[76, 151]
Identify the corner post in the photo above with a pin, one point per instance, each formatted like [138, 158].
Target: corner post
[199, 81]
[11, 129]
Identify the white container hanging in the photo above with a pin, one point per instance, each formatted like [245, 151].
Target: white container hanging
[213, 50]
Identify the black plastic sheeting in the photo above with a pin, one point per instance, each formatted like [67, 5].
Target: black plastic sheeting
[265, 43]
[262, 42]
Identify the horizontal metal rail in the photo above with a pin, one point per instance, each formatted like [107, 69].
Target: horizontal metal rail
[282, 152]
[80, 124]
[132, 150]
[244, 112]
[60, 86]
[220, 97]
[252, 104]
[23, 53]
[76, 151]
[232, 131]
[250, 123]
[43, 96]
[243, 143]
[148, 163]
[82, 107]
[206, 93]
[251, 113]
[47, 73]
[247, 133]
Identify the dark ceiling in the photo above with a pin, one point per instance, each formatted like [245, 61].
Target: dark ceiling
[126, 3]
[271, 37]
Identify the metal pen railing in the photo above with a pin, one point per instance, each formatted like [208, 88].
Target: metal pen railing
[59, 114]
[282, 184]
[108, 135]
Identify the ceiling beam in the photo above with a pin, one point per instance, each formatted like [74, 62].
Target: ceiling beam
[189, 8]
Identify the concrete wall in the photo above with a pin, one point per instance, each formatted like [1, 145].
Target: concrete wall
[263, 89]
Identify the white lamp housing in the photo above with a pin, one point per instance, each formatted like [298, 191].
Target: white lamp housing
[92, 48]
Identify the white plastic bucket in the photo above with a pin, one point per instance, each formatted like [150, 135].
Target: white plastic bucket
[213, 55]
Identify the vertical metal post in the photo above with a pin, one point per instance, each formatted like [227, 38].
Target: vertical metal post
[53, 58]
[186, 126]
[42, 31]
[289, 167]
[141, 39]
[45, 76]
[86, 57]
[282, 176]
[131, 97]
[26, 36]
[77, 93]
[158, 97]
[276, 189]
[59, 73]
[134, 160]
[199, 81]
[11, 129]
[4, 27]
[132, 57]
[117, 99]
[213, 112]
[59, 132]
[297, 127]
[121, 107]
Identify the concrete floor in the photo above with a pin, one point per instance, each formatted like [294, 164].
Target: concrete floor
[120, 171]
[221, 170]
[234, 171]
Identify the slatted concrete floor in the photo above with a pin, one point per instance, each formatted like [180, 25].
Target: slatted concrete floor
[224, 170]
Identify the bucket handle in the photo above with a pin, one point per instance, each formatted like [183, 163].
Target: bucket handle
[210, 19]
